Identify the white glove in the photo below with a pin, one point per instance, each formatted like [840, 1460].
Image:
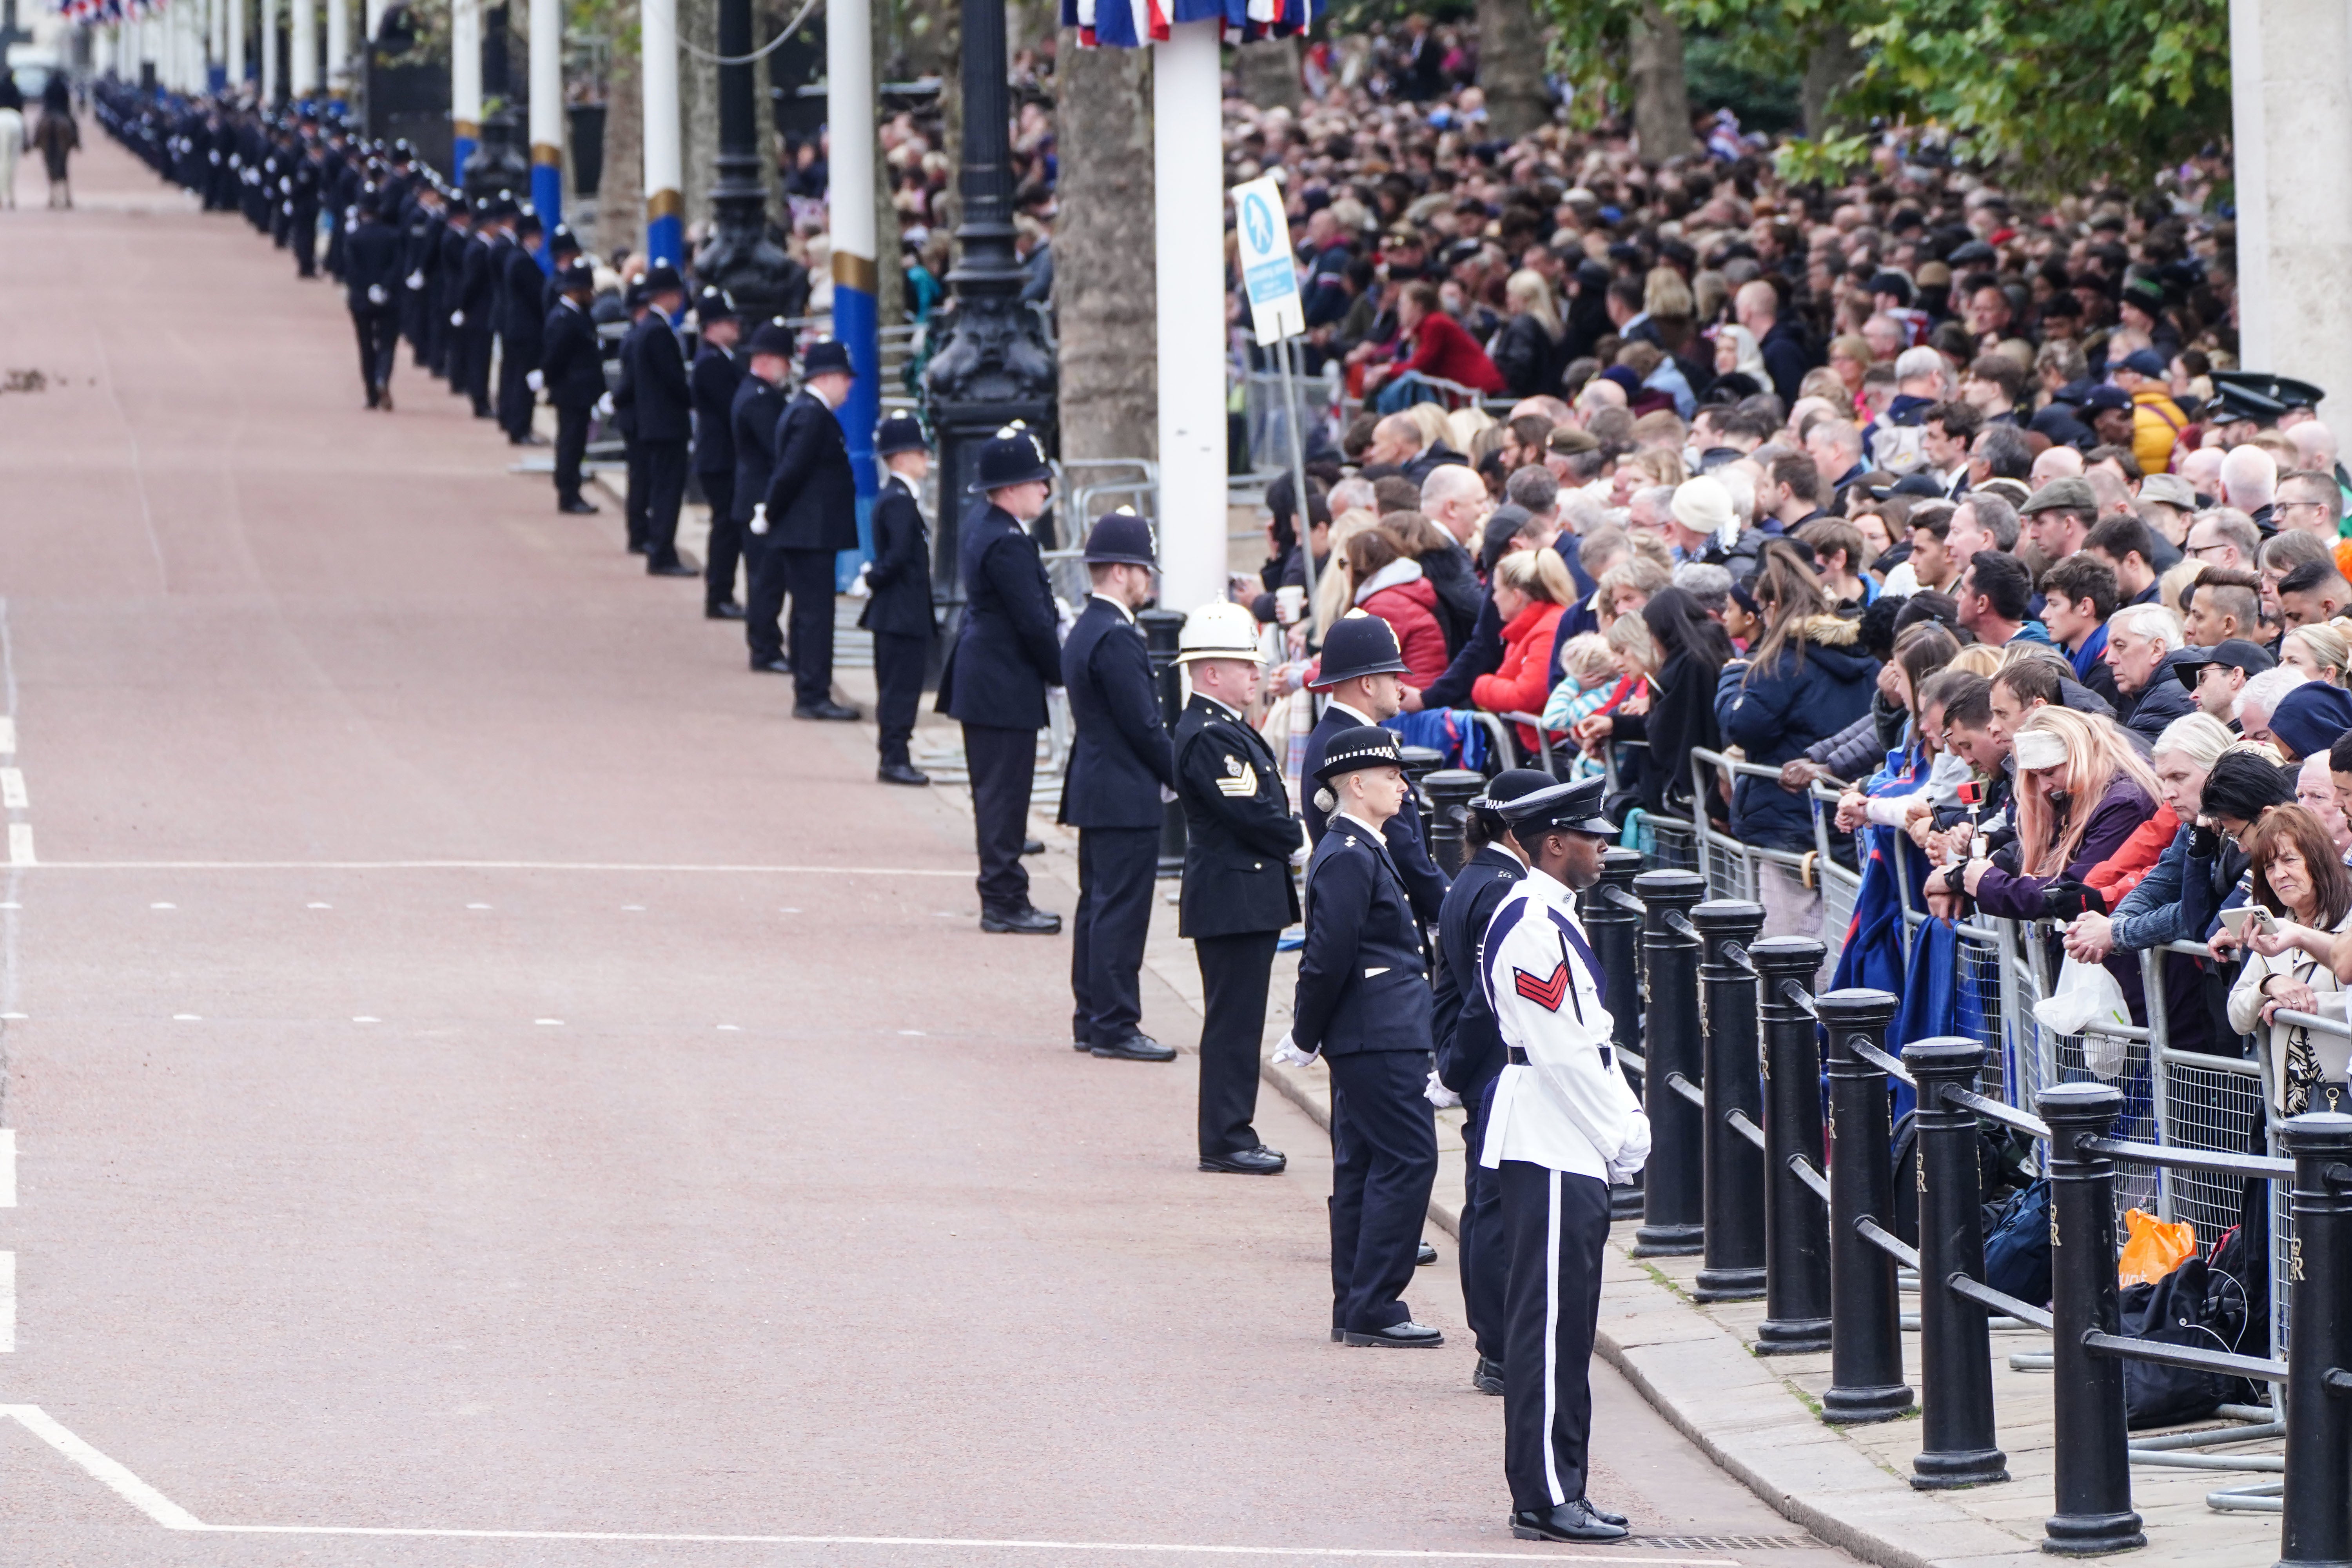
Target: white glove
[1305, 851]
[286, 182]
[376, 296]
[457, 318]
[859, 588]
[604, 406]
[760, 518]
[416, 279]
[1438, 1095]
[536, 381]
[1167, 796]
[1289, 1054]
[1631, 1154]
[286, 207]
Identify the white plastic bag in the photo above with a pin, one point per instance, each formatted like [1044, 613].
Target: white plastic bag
[2086, 995]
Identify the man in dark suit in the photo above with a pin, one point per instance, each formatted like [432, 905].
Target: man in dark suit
[1240, 840]
[523, 318]
[899, 609]
[1363, 1004]
[475, 313]
[715, 374]
[1359, 669]
[571, 373]
[758, 409]
[1005, 655]
[370, 280]
[807, 519]
[1119, 764]
[663, 404]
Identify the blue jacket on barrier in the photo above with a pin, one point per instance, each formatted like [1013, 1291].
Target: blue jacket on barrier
[1820, 681]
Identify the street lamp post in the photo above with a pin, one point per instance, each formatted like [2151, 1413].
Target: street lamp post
[994, 366]
[741, 257]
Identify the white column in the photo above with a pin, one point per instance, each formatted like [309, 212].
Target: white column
[268, 45]
[1188, 247]
[665, 174]
[2291, 82]
[302, 44]
[374, 20]
[338, 48]
[465, 84]
[236, 54]
[547, 111]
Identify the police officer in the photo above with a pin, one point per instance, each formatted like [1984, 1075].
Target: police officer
[898, 605]
[572, 372]
[758, 409]
[808, 517]
[1363, 1004]
[664, 404]
[1561, 1127]
[1006, 653]
[1470, 1052]
[523, 319]
[371, 277]
[715, 377]
[1239, 841]
[1119, 764]
[1360, 665]
[473, 317]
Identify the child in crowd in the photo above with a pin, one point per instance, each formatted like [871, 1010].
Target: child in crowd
[1589, 673]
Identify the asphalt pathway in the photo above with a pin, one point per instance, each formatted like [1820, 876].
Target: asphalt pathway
[477, 1066]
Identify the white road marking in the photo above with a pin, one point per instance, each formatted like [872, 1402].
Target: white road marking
[162, 906]
[20, 844]
[12, 789]
[489, 866]
[789, 910]
[7, 1167]
[910, 1031]
[732, 1028]
[15, 1014]
[478, 906]
[552, 1022]
[11, 904]
[319, 906]
[363, 1018]
[633, 909]
[172, 1516]
[7, 1301]
[8, 735]
[187, 1018]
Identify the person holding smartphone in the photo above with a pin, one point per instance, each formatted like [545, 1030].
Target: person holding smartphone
[2301, 906]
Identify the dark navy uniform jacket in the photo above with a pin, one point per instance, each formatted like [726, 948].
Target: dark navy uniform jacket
[656, 373]
[1363, 975]
[478, 286]
[1121, 756]
[372, 259]
[525, 319]
[754, 414]
[571, 360]
[715, 375]
[1005, 653]
[900, 577]
[811, 493]
[1469, 1045]
[1407, 848]
[1239, 833]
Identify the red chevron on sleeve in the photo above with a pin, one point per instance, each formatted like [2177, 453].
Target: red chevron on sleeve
[1547, 992]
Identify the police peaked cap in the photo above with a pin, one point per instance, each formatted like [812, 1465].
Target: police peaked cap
[1012, 457]
[1510, 784]
[827, 356]
[900, 433]
[1121, 538]
[773, 337]
[662, 280]
[1359, 645]
[1365, 746]
[1569, 807]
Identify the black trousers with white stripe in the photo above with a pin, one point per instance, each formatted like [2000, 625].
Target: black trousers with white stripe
[1555, 1224]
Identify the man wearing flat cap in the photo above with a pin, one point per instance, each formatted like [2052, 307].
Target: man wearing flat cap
[807, 518]
[1120, 766]
[1562, 1126]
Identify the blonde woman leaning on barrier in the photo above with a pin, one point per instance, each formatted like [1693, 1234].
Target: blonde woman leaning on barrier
[2296, 877]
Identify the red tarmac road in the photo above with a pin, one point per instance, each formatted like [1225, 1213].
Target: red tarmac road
[571, 1187]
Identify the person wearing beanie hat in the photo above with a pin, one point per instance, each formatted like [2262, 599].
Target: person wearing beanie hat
[2310, 718]
[758, 409]
[899, 611]
[1470, 1051]
[1363, 1005]
[571, 371]
[807, 518]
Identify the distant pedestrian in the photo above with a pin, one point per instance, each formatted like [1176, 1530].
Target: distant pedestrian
[807, 519]
[12, 137]
[58, 136]
[899, 612]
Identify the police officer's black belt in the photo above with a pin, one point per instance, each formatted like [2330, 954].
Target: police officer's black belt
[1515, 1056]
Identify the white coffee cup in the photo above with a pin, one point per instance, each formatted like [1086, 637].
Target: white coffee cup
[1290, 603]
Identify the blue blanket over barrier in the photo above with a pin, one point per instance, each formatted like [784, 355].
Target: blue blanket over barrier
[1458, 736]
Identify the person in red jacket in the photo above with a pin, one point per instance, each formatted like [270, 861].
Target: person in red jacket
[1531, 589]
[1384, 582]
[1441, 350]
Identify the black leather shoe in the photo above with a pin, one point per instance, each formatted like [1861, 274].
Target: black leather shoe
[1487, 1376]
[1602, 1514]
[771, 667]
[1338, 1335]
[1428, 1255]
[1032, 846]
[1568, 1521]
[637, 550]
[1258, 1161]
[1404, 1336]
[578, 508]
[828, 709]
[1136, 1048]
[1021, 922]
[900, 774]
[726, 610]
[670, 569]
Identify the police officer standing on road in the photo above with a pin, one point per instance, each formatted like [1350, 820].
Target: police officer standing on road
[1364, 1004]
[1115, 793]
[1006, 653]
[808, 517]
[715, 375]
[522, 321]
[1239, 840]
[1470, 1051]
[1562, 1126]
[899, 606]
[663, 404]
[371, 274]
[758, 409]
[572, 372]
[1360, 665]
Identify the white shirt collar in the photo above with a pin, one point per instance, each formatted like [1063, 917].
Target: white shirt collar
[1367, 826]
[1125, 614]
[1543, 885]
[1352, 713]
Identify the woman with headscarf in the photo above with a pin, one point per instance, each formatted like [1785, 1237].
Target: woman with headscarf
[57, 137]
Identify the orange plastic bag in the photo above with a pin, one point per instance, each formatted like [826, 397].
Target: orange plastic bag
[2155, 1249]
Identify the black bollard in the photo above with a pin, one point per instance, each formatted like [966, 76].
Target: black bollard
[1674, 1184]
[1449, 791]
[1420, 761]
[1866, 1323]
[1796, 1230]
[2317, 1525]
[1955, 1416]
[2093, 1441]
[1734, 1167]
[1161, 629]
[1613, 921]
